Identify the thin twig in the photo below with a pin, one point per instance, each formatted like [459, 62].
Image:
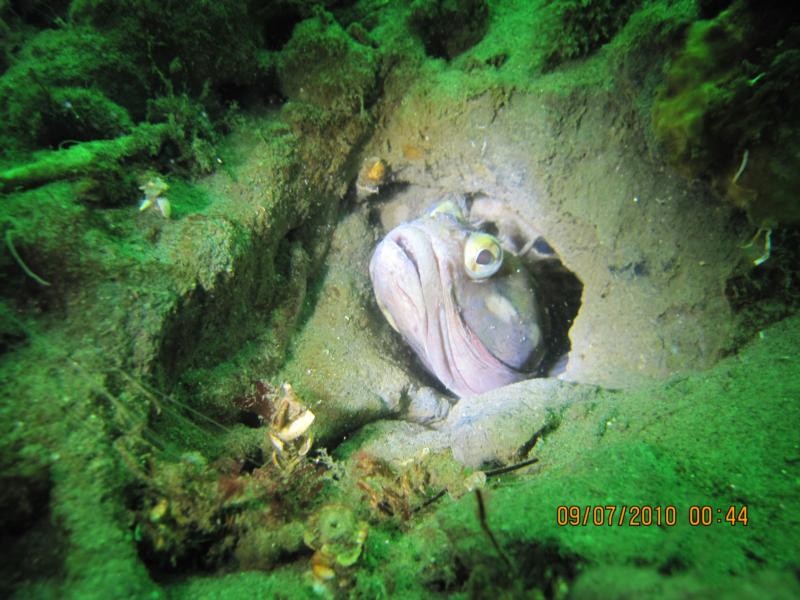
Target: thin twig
[492, 473]
[488, 532]
[20, 262]
[155, 396]
[509, 468]
[742, 166]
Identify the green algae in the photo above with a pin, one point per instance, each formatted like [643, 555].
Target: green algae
[581, 27]
[722, 113]
[66, 434]
[92, 158]
[324, 66]
[224, 270]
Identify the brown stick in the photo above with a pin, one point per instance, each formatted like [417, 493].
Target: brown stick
[84, 158]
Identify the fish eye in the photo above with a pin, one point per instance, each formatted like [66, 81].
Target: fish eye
[483, 255]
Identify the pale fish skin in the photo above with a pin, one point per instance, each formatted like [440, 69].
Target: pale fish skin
[474, 335]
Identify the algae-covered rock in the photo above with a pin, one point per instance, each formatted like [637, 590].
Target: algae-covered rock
[68, 84]
[87, 115]
[581, 26]
[151, 478]
[722, 113]
[77, 81]
[335, 363]
[183, 43]
[497, 427]
[648, 451]
[324, 66]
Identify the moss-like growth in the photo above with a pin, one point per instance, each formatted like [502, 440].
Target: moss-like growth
[191, 133]
[193, 514]
[109, 65]
[88, 158]
[11, 331]
[449, 27]
[181, 42]
[722, 114]
[67, 85]
[583, 26]
[86, 114]
[36, 224]
[323, 66]
[21, 20]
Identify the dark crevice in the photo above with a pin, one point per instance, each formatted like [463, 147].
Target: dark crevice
[550, 426]
[278, 29]
[544, 566]
[561, 291]
[34, 545]
[449, 28]
[767, 293]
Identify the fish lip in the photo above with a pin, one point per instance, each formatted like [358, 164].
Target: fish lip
[433, 336]
[403, 244]
[406, 282]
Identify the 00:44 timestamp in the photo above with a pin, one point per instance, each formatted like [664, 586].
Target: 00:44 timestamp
[705, 515]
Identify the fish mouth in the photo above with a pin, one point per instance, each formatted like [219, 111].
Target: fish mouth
[397, 271]
[405, 247]
[414, 273]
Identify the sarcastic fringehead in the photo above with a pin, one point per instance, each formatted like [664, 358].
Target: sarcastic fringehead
[467, 308]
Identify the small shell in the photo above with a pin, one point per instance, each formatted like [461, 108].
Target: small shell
[320, 567]
[276, 442]
[279, 419]
[297, 427]
[306, 446]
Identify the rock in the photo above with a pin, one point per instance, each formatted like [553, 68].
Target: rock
[322, 65]
[337, 364]
[498, 427]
